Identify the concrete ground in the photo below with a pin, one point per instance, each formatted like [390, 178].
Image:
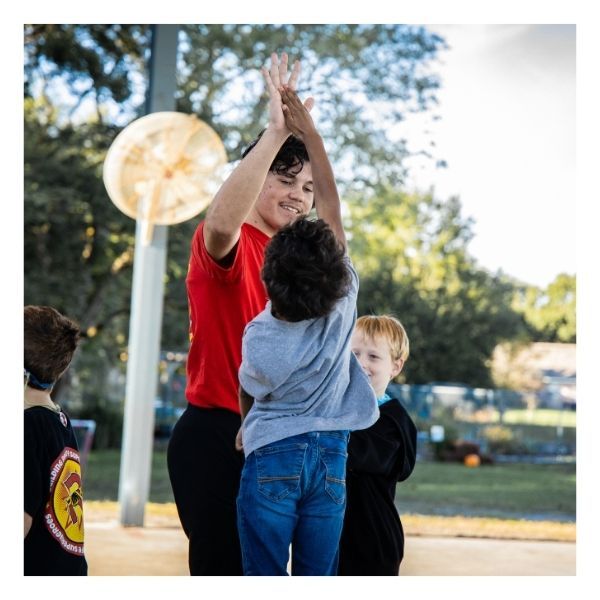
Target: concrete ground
[162, 550]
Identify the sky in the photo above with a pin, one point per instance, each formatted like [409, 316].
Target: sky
[507, 132]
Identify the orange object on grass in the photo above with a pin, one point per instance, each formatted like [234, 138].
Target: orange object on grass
[472, 460]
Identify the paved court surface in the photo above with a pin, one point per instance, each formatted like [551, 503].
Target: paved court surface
[476, 556]
[115, 550]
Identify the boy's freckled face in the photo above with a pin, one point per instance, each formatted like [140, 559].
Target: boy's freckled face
[375, 358]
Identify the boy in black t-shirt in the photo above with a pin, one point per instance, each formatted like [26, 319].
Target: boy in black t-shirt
[53, 486]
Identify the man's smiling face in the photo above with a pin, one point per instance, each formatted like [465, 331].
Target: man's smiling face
[283, 198]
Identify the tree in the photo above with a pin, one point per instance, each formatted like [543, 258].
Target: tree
[364, 77]
[411, 252]
[551, 312]
[94, 62]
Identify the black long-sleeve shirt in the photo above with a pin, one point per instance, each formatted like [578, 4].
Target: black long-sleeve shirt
[372, 541]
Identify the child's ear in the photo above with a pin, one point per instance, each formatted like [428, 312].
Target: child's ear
[397, 367]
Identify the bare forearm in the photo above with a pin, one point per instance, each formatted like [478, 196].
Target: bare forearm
[327, 199]
[235, 199]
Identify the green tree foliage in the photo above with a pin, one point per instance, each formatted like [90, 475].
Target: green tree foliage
[411, 253]
[364, 79]
[551, 312]
[93, 61]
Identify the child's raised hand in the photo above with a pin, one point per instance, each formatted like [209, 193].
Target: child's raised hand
[296, 114]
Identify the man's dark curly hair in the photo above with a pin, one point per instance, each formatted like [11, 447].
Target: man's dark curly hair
[290, 158]
[305, 271]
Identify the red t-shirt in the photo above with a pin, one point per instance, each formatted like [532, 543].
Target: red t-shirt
[221, 302]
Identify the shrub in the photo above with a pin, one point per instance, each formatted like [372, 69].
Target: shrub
[502, 440]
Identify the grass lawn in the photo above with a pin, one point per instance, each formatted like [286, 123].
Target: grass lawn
[501, 490]
[505, 491]
[541, 416]
[101, 476]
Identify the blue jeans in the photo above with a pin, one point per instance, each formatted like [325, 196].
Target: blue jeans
[293, 491]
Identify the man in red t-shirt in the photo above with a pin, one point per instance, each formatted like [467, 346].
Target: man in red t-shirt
[271, 187]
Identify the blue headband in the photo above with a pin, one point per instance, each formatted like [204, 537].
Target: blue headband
[31, 378]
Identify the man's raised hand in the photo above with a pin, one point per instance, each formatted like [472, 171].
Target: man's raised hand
[275, 78]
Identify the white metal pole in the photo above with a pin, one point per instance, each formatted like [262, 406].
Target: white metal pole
[146, 311]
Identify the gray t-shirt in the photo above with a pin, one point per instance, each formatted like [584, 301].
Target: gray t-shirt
[303, 376]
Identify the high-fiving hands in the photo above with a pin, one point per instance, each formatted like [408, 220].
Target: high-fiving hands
[296, 115]
[276, 78]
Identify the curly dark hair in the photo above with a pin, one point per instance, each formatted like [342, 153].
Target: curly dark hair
[290, 158]
[305, 270]
[50, 340]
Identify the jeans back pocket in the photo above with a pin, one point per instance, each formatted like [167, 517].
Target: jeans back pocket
[279, 467]
[334, 460]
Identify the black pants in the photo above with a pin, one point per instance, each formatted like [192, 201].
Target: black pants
[205, 468]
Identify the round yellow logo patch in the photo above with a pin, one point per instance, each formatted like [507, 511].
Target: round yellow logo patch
[64, 510]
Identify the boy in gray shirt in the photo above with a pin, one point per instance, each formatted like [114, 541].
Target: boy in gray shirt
[301, 389]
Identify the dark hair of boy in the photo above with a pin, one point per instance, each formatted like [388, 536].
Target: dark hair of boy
[290, 158]
[305, 270]
[49, 344]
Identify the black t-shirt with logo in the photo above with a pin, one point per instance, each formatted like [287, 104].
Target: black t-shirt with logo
[53, 495]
